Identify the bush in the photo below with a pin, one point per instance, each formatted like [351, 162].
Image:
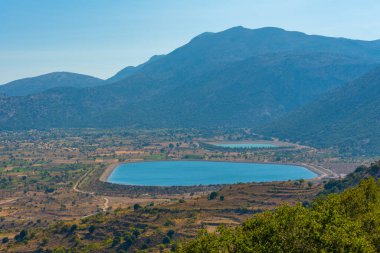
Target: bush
[169, 223]
[136, 207]
[212, 195]
[166, 240]
[128, 241]
[170, 233]
[21, 236]
[73, 228]
[136, 233]
[91, 229]
[49, 190]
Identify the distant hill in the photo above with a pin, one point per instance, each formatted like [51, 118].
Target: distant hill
[33, 85]
[347, 117]
[235, 78]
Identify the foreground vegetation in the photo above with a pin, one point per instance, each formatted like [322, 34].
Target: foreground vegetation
[345, 222]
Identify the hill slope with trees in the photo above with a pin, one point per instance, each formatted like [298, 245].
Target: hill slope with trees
[346, 118]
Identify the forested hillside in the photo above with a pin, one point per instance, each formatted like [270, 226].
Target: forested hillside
[345, 222]
[346, 118]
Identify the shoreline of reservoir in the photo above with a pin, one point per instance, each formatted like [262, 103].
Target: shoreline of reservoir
[108, 171]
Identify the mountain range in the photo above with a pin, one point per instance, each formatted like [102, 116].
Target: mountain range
[235, 78]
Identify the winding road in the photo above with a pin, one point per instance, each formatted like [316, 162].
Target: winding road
[75, 188]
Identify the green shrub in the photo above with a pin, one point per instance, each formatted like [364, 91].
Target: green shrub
[212, 195]
[136, 207]
[91, 229]
[170, 233]
[166, 240]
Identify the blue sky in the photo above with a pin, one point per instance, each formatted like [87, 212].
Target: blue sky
[100, 37]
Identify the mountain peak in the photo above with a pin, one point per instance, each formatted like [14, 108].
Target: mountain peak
[265, 28]
[242, 29]
[237, 28]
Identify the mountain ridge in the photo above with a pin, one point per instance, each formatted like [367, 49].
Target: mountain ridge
[41, 83]
[130, 70]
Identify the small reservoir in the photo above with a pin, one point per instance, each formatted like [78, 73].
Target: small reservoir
[245, 145]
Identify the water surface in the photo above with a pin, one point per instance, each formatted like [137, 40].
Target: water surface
[186, 173]
[245, 145]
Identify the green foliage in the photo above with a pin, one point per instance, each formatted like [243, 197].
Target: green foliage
[128, 241]
[136, 207]
[73, 227]
[116, 240]
[60, 250]
[170, 233]
[352, 179]
[345, 222]
[136, 233]
[91, 229]
[21, 236]
[193, 157]
[212, 195]
[169, 223]
[155, 157]
[166, 240]
[44, 241]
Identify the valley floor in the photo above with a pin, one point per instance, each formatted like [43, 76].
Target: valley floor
[54, 179]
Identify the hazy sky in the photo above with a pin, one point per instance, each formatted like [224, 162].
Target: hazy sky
[100, 37]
